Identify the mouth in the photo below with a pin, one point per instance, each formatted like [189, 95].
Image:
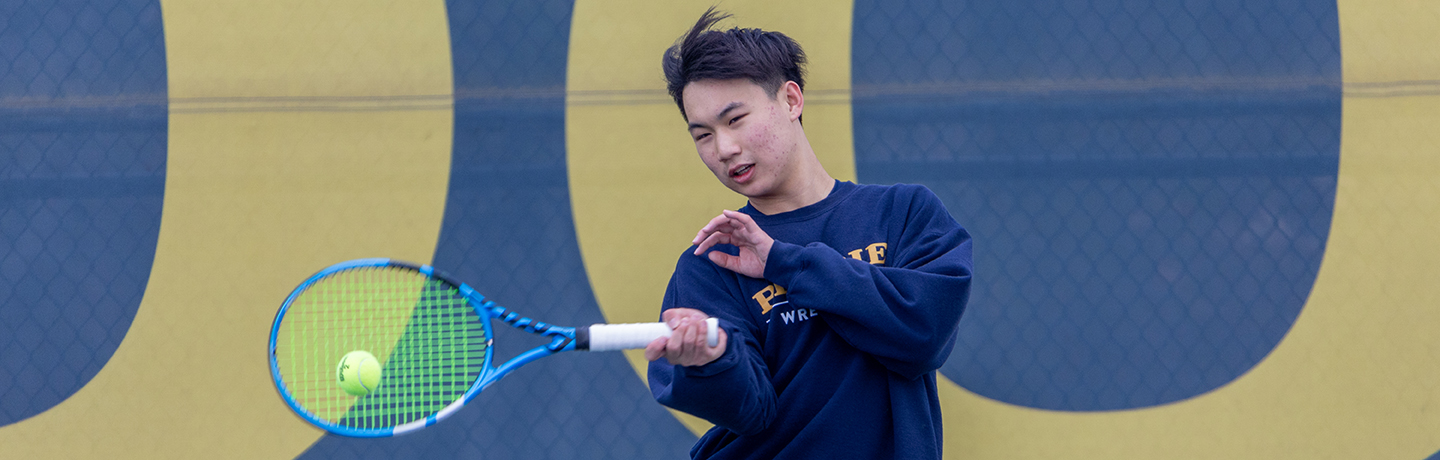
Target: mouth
[741, 173]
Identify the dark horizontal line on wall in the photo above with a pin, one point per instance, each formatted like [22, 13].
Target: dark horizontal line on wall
[547, 109]
[1113, 86]
[1399, 88]
[1028, 107]
[895, 171]
[859, 91]
[80, 103]
[16, 189]
[311, 103]
[82, 119]
[509, 178]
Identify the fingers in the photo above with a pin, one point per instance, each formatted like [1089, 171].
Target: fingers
[731, 227]
[743, 220]
[745, 227]
[656, 349]
[677, 351]
[711, 227]
[672, 316]
[673, 350]
[683, 321]
[733, 224]
[686, 345]
[740, 230]
[712, 240]
[725, 261]
[686, 335]
[719, 349]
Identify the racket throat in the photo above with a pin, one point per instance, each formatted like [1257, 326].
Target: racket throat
[564, 342]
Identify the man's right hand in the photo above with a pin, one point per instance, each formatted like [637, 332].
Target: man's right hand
[686, 344]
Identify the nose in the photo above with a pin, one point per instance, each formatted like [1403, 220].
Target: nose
[726, 146]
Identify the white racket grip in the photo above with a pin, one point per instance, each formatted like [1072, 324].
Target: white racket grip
[610, 337]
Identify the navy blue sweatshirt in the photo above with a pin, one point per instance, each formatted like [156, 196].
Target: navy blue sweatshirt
[833, 354]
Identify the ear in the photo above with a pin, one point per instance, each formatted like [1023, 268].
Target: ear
[794, 99]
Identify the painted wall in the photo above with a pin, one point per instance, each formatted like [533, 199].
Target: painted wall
[1203, 229]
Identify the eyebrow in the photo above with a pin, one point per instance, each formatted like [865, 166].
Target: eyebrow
[727, 109]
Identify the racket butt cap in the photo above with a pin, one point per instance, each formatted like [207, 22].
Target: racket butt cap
[712, 332]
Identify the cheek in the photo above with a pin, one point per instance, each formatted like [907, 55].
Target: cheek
[710, 162]
[766, 143]
[761, 137]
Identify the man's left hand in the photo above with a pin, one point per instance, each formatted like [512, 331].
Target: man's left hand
[738, 229]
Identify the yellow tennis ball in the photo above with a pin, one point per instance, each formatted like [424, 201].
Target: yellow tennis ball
[358, 373]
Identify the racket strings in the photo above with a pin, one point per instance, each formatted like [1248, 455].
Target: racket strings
[430, 341]
[436, 360]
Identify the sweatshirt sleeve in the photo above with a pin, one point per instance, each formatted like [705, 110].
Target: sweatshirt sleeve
[734, 391]
[904, 313]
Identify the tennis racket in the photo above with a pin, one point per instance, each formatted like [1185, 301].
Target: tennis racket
[431, 336]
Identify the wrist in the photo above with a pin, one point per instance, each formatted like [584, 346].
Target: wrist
[762, 251]
[727, 355]
[783, 263]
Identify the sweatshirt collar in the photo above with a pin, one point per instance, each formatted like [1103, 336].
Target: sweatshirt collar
[837, 194]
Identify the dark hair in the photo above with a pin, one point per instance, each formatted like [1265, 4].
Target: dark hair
[768, 59]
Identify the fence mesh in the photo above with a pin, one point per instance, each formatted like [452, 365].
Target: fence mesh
[1149, 184]
[509, 232]
[82, 171]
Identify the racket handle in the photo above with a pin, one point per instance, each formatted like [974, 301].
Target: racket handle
[610, 337]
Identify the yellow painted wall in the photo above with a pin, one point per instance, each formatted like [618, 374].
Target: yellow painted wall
[285, 119]
[1352, 380]
[304, 133]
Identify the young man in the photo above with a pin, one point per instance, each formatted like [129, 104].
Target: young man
[837, 302]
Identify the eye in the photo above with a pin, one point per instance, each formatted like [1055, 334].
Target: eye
[701, 136]
[737, 118]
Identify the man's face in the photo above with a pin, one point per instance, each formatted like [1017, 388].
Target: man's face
[744, 135]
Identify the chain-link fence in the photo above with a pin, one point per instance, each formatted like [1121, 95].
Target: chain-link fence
[1149, 184]
[82, 174]
[508, 230]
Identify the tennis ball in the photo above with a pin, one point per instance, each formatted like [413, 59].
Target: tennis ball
[358, 373]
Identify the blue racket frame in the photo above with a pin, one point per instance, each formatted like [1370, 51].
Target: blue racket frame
[561, 339]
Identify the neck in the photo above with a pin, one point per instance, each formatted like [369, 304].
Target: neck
[810, 184]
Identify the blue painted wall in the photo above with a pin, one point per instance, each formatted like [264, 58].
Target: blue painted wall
[1149, 185]
[82, 177]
